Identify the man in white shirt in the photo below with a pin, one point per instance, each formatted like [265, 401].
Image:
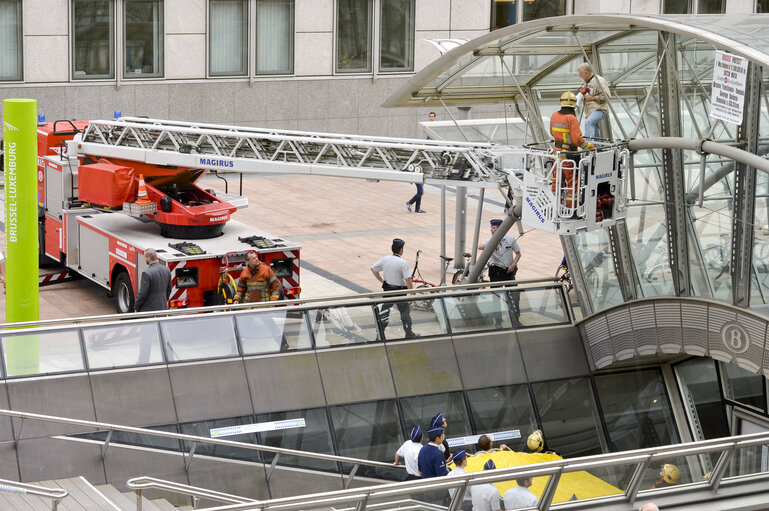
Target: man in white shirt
[486, 496]
[503, 266]
[520, 496]
[460, 462]
[409, 452]
[395, 275]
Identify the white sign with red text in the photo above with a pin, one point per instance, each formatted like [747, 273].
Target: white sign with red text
[730, 74]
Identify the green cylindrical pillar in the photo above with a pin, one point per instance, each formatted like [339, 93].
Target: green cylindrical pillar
[21, 264]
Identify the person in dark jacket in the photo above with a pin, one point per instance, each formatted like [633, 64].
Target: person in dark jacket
[155, 287]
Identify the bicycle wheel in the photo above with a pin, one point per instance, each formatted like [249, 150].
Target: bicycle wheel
[423, 304]
[457, 278]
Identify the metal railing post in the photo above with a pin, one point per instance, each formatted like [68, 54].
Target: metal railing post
[350, 477]
[106, 445]
[635, 481]
[272, 466]
[138, 493]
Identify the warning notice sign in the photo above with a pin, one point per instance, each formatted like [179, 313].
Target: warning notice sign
[729, 76]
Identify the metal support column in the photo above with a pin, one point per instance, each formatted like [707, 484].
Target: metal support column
[623, 261]
[460, 219]
[672, 168]
[745, 192]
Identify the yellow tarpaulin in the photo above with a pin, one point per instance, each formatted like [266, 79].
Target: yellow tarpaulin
[581, 484]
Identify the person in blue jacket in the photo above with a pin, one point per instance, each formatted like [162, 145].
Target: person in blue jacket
[431, 461]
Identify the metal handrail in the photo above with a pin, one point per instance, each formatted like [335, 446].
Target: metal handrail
[196, 440]
[334, 300]
[359, 497]
[55, 494]
[139, 484]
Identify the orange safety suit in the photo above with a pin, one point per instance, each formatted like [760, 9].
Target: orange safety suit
[564, 127]
[261, 285]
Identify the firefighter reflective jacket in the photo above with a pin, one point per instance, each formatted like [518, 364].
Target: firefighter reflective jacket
[259, 286]
[564, 127]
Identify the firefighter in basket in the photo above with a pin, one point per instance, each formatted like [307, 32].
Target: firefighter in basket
[564, 127]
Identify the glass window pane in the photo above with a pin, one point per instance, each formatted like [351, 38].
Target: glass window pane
[271, 331]
[539, 306]
[702, 398]
[353, 36]
[711, 6]
[568, 416]
[504, 409]
[153, 442]
[93, 39]
[274, 37]
[485, 311]
[41, 353]
[122, 345]
[314, 437]
[762, 6]
[423, 317]
[10, 40]
[537, 10]
[636, 410]
[203, 428]
[743, 386]
[503, 13]
[676, 7]
[420, 409]
[396, 35]
[598, 266]
[143, 38]
[338, 326]
[193, 339]
[369, 431]
[227, 37]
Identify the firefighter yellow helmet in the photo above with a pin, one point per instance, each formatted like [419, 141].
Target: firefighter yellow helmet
[569, 99]
[536, 442]
[670, 473]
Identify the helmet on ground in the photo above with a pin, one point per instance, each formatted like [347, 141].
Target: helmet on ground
[536, 442]
[569, 99]
[670, 473]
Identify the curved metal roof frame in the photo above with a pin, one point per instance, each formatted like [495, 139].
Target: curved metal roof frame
[744, 35]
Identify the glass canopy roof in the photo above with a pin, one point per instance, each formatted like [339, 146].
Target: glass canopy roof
[670, 243]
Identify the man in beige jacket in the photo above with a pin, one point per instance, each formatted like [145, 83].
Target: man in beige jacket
[596, 96]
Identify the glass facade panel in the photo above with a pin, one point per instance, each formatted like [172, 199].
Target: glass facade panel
[367, 430]
[743, 386]
[539, 306]
[338, 326]
[504, 409]
[198, 338]
[11, 55]
[396, 35]
[271, 331]
[568, 416]
[598, 266]
[676, 7]
[353, 36]
[314, 437]
[711, 6]
[122, 345]
[203, 428]
[153, 442]
[274, 37]
[143, 38]
[698, 384]
[41, 353]
[93, 39]
[636, 410]
[227, 37]
[425, 317]
[503, 13]
[649, 245]
[486, 311]
[420, 409]
[543, 9]
[762, 6]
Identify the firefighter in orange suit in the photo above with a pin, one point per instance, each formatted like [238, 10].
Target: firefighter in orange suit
[564, 127]
[257, 282]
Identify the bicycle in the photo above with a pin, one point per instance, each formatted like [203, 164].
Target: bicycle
[420, 282]
[460, 275]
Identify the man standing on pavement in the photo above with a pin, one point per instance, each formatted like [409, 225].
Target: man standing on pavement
[155, 287]
[257, 282]
[409, 452]
[431, 461]
[520, 496]
[503, 265]
[395, 275]
[486, 496]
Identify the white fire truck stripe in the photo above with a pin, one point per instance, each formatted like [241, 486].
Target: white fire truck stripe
[113, 254]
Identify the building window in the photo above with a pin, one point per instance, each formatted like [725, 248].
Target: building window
[696, 6]
[762, 6]
[10, 40]
[508, 12]
[228, 37]
[143, 38]
[274, 37]
[356, 31]
[93, 39]
[396, 37]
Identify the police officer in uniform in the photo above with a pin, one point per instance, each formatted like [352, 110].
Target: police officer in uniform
[503, 264]
[393, 272]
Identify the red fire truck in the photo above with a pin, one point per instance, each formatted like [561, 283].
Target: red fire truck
[91, 223]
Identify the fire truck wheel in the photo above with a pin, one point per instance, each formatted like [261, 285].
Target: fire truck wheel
[123, 293]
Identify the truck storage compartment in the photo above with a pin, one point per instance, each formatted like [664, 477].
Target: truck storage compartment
[106, 184]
